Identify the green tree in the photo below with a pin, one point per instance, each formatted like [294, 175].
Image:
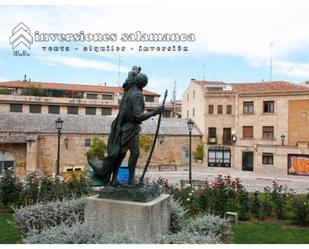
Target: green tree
[198, 154]
[97, 149]
[36, 90]
[145, 142]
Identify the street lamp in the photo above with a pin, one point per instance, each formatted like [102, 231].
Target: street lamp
[282, 139]
[190, 124]
[59, 123]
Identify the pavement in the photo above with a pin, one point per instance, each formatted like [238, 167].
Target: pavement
[251, 180]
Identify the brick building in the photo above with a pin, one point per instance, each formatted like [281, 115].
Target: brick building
[73, 99]
[28, 142]
[261, 127]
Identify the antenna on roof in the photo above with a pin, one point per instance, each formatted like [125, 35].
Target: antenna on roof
[204, 71]
[25, 77]
[271, 62]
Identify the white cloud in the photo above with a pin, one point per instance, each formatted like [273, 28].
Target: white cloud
[239, 28]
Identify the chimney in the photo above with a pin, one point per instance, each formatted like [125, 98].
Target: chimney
[25, 77]
[104, 83]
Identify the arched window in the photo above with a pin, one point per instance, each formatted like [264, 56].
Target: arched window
[219, 156]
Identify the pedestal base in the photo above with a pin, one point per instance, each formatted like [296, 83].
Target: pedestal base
[147, 220]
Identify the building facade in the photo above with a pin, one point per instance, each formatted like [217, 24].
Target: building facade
[260, 127]
[28, 142]
[72, 99]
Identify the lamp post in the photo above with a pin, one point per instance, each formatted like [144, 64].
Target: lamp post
[190, 128]
[282, 139]
[59, 123]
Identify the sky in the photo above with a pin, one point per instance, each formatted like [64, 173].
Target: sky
[232, 42]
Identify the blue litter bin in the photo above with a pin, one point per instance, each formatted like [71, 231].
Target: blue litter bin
[123, 173]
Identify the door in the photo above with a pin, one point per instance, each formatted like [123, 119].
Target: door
[247, 161]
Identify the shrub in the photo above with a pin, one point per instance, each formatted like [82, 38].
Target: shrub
[210, 225]
[185, 237]
[244, 206]
[77, 233]
[255, 204]
[198, 154]
[97, 149]
[145, 142]
[177, 214]
[279, 200]
[266, 204]
[41, 216]
[10, 189]
[301, 209]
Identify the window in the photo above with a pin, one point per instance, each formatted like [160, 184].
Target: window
[73, 110]
[212, 135]
[149, 98]
[220, 109]
[193, 94]
[91, 110]
[268, 106]
[248, 107]
[247, 131]
[16, 108]
[268, 132]
[212, 132]
[106, 111]
[107, 97]
[268, 158]
[87, 142]
[193, 112]
[229, 109]
[227, 136]
[35, 108]
[188, 114]
[54, 109]
[187, 96]
[210, 109]
[219, 157]
[92, 96]
[167, 114]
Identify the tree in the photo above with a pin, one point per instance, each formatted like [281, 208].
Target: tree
[36, 90]
[198, 154]
[97, 149]
[145, 142]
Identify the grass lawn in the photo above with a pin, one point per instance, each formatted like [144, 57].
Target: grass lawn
[265, 233]
[8, 233]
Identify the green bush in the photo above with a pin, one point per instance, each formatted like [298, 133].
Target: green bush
[145, 142]
[301, 209]
[97, 149]
[36, 188]
[10, 189]
[198, 153]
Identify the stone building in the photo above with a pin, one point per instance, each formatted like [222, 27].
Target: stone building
[28, 142]
[261, 127]
[73, 99]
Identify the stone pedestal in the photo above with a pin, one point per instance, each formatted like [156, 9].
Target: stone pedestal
[148, 220]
